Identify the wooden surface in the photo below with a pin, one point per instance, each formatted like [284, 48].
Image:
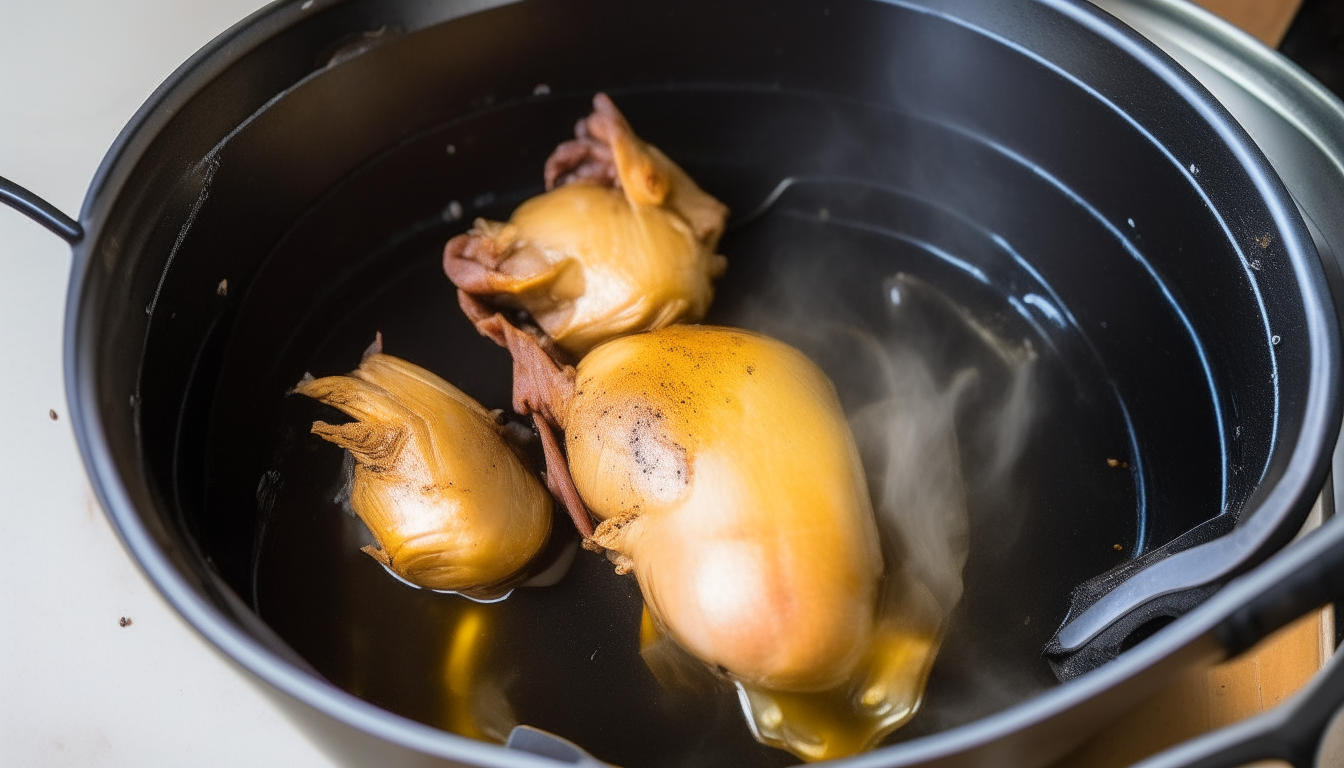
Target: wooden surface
[1266, 19]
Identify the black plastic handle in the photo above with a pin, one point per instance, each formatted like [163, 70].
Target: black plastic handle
[41, 211]
[1317, 578]
[1291, 732]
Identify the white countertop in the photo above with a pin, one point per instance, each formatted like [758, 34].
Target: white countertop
[76, 687]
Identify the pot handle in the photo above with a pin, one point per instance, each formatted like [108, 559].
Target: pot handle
[41, 211]
[1292, 732]
[1317, 578]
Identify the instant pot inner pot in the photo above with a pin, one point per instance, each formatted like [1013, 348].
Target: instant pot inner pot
[895, 178]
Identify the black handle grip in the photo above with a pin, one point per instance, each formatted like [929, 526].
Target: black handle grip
[41, 211]
[1315, 579]
[1291, 732]
[1312, 575]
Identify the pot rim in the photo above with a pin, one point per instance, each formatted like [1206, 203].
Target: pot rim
[1190, 638]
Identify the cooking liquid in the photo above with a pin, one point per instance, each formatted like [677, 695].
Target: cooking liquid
[567, 658]
[883, 694]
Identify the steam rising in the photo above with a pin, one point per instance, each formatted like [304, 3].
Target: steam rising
[919, 388]
[909, 450]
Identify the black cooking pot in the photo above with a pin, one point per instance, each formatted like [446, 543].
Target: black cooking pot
[1023, 171]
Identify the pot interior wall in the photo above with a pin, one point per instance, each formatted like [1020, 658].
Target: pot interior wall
[872, 153]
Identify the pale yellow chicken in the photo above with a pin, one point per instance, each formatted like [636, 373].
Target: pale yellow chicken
[623, 241]
[725, 477]
[447, 497]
